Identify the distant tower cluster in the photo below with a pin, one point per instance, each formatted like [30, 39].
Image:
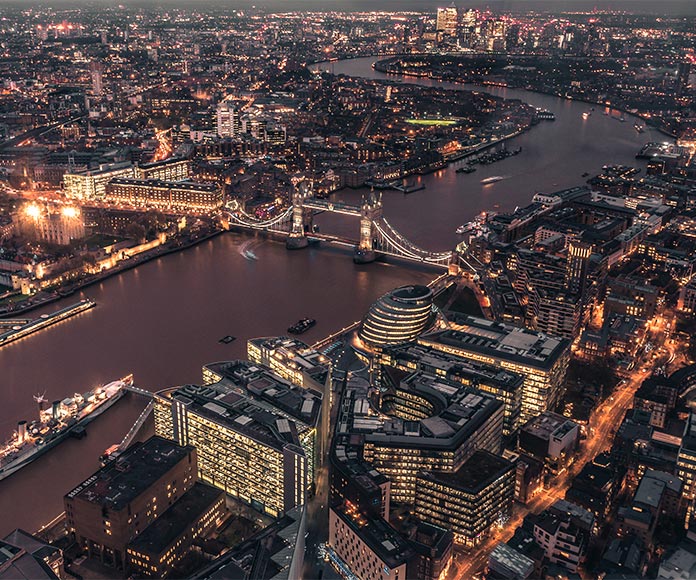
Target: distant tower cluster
[96, 70]
[447, 19]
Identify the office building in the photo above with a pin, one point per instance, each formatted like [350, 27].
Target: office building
[96, 71]
[658, 496]
[628, 296]
[176, 196]
[372, 548]
[26, 557]
[91, 183]
[116, 504]
[541, 359]
[276, 552]
[228, 120]
[154, 552]
[549, 436]
[657, 396]
[687, 297]
[447, 20]
[624, 558]
[292, 360]
[686, 463]
[256, 434]
[398, 317]
[303, 406]
[172, 169]
[596, 486]
[507, 563]
[426, 428]
[452, 370]
[469, 501]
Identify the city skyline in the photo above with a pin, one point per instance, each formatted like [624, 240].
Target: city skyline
[345, 290]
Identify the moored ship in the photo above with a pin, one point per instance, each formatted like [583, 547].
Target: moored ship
[544, 115]
[65, 418]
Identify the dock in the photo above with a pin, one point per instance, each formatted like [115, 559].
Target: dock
[20, 328]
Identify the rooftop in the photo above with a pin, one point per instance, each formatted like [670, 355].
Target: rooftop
[501, 341]
[258, 383]
[267, 554]
[295, 353]
[456, 416]
[177, 519]
[432, 359]
[185, 185]
[510, 559]
[391, 547]
[121, 481]
[548, 425]
[479, 471]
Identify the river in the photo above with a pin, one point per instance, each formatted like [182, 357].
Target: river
[162, 320]
[554, 156]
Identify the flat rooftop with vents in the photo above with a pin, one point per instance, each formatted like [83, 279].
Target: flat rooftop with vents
[126, 478]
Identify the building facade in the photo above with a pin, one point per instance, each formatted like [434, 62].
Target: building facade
[174, 196]
[110, 508]
[541, 359]
[470, 501]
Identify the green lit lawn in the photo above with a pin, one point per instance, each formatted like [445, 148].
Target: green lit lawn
[432, 122]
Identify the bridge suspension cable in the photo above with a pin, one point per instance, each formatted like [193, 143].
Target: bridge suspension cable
[249, 221]
[408, 248]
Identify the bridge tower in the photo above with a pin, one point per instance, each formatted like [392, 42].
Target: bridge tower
[297, 238]
[370, 210]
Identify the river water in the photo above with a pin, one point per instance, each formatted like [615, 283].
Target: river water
[162, 321]
[554, 156]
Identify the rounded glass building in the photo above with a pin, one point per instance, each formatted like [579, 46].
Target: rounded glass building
[398, 316]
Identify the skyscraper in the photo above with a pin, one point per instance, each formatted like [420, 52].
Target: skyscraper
[683, 74]
[447, 20]
[96, 70]
[579, 254]
[228, 122]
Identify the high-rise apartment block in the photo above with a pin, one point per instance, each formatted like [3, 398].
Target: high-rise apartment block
[228, 120]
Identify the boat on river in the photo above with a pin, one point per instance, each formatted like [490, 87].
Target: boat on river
[66, 418]
[302, 326]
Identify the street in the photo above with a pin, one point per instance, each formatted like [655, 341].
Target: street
[605, 419]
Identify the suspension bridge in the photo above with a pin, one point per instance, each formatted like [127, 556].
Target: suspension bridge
[377, 235]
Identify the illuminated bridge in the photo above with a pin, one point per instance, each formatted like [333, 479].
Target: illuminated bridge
[377, 235]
